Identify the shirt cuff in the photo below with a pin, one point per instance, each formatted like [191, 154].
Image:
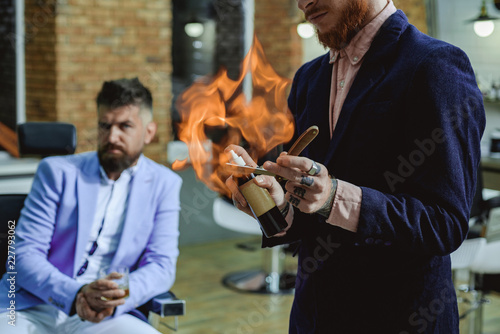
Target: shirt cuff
[346, 206]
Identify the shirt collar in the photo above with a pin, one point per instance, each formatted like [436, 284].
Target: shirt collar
[361, 43]
[129, 171]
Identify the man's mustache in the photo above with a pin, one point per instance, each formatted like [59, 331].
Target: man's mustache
[109, 147]
[313, 11]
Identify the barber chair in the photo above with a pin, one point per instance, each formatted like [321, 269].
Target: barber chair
[272, 277]
[40, 139]
[44, 139]
[478, 254]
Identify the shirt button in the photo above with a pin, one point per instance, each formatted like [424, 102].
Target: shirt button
[333, 58]
[342, 84]
[355, 59]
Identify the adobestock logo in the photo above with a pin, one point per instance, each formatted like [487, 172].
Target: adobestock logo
[455, 118]
[421, 318]
[322, 252]
[425, 148]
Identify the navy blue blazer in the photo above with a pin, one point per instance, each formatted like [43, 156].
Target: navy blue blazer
[409, 135]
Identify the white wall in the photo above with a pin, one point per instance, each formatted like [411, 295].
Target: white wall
[484, 52]
[311, 49]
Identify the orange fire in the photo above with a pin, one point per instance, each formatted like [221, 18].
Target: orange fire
[218, 105]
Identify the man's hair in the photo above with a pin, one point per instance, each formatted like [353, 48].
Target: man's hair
[124, 92]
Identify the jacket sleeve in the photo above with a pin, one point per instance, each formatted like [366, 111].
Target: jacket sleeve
[34, 234]
[425, 205]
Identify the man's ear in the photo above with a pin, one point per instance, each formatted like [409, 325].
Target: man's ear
[150, 132]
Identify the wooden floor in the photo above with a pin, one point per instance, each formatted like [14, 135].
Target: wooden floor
[491, 322]
[212, 308]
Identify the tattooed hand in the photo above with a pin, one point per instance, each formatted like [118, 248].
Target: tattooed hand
[306, 192]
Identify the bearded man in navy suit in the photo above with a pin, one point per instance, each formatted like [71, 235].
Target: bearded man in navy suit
[87, 211]
[382, 196]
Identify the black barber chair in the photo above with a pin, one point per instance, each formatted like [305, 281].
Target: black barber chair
[44, 139]
[40, 139]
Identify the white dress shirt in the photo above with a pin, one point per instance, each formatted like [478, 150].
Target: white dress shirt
[112, 203]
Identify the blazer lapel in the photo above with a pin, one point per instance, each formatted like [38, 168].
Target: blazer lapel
[358, 90]
[317, 93]
[140, 195]
[87, 190]
[371, 73]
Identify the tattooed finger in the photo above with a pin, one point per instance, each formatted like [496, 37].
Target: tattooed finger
[307, 181]
[294, 201]
[299, 191]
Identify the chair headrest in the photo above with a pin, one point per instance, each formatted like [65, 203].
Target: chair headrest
[46, 138]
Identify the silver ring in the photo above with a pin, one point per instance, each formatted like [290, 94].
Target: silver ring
[315, 169]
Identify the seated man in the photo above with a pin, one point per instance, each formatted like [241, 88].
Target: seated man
[91, 210]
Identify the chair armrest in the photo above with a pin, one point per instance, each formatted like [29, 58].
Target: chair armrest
[167, 304]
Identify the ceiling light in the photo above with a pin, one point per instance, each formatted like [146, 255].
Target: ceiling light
[194, 29]
[483, 24]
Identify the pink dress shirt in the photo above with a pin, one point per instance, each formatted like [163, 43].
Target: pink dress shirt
[346, 64]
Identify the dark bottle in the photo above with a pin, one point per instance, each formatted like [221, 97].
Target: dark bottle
[261, 203]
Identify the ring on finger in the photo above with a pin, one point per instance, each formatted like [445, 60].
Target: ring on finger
[315, 169]
[307, 181]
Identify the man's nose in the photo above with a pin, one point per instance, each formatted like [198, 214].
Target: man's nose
[303, 4]
[113, 135]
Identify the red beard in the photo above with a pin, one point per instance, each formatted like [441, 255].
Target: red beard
[351, 22]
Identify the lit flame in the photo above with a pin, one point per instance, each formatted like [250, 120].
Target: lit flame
[219, 104]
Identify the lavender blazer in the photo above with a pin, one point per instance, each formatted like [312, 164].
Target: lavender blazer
[55, 224]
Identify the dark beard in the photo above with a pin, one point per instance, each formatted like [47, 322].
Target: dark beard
[351, 22]
[115, 164]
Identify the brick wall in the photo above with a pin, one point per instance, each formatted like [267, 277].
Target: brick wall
[75, 45]
[40, 61]
[7, 64]
[416, 12]
[276, 28]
